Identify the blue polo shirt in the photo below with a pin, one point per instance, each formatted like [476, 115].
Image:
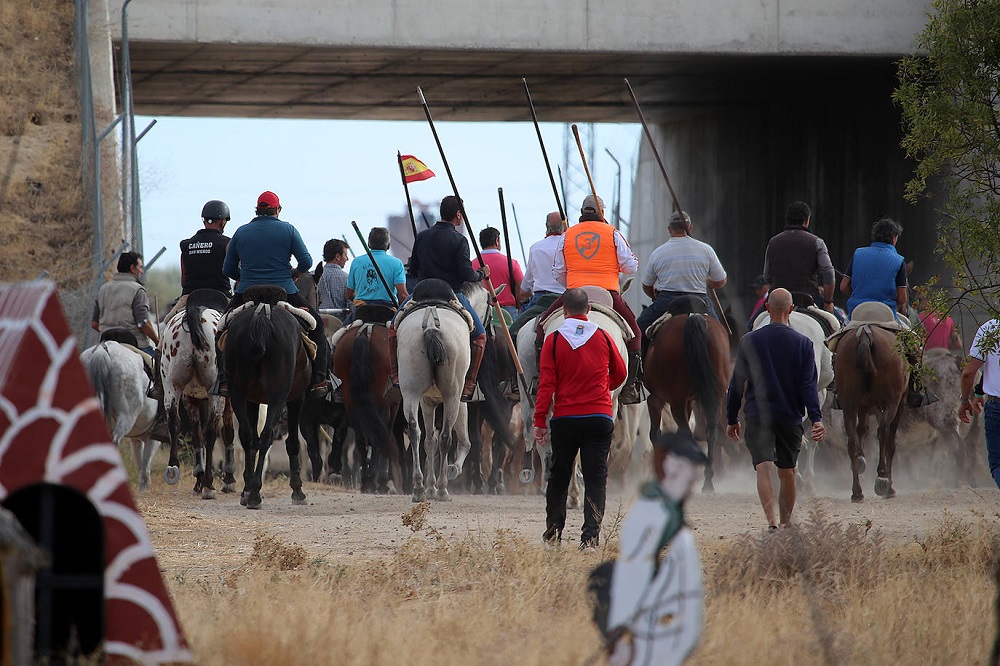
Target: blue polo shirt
[364, 280]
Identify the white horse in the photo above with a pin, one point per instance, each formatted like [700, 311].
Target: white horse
[188, 371]
[120, 382]
[433, 354]
[809, 327]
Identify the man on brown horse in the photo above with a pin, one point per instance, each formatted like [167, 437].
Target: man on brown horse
[592, 254]
[777, 368]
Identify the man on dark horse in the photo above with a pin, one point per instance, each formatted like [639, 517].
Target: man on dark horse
[798, 260]
[592, 254]
[683, 266]
[258, 254]
[443, 252]
[201, 268]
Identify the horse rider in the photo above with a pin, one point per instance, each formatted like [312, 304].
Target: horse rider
[597, 253]
[538, 280]
[443, 252]
[776, 370]
[332, 278]
[877, 273]
[798, 260]
[683, 266]
[363, 284]
[201, 268]
[577, 370]
[489, 241]
[258, 254]
[122, 302]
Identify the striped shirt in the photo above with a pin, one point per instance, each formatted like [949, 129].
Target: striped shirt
[332, 284]
[683, 264]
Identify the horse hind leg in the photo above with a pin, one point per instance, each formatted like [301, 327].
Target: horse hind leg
[413, 433]
[887, 451]
[225, 425]
[460, 433]
[293, 449]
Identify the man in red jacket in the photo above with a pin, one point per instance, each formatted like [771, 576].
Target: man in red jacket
[578, 368]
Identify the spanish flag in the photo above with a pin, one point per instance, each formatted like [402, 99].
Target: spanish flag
[415, 169]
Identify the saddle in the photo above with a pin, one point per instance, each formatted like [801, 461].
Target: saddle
[869, 313]
[207, 298]
[829, 323]
[553, 321]
[436, 293]
[679, 306]
[126, 339]
[374, 314]
[264, 298]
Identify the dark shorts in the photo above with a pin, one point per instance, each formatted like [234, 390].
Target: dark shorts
[773, 442]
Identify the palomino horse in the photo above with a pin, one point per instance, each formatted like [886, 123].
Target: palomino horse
[267, 364]
[687, 367]
[188, 371]
[361, 360]
[871, 376]
[433, 355]
[119, 380]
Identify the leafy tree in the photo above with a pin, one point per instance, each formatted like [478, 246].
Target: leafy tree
[949, 94]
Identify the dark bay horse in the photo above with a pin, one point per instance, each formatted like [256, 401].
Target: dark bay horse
[361, 360]
[267, 364]
[687, 368]
[871, 377]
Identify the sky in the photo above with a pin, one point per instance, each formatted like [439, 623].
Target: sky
[330, 172]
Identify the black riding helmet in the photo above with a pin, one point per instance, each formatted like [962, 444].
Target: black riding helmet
[215, 210]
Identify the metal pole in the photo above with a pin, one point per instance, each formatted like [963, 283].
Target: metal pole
[506, 240]
[378, 271]
[143, 132]
[616, 208]
[98, 200]
[562, 186]
[114, 255]
[344, 236]
[520, 241]
[406, 188]
[545, 156]
[149, 264]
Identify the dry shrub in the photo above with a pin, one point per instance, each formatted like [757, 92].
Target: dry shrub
[833, 557]
[271, 552]
[957, 543]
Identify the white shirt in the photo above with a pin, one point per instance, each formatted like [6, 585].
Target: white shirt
[683, 264]
[538, 274]
[627, 261]
[990, 359]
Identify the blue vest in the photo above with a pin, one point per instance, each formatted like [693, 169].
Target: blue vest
[873, 275]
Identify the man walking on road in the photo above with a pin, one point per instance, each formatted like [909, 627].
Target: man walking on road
[579, 366]
[776, 369]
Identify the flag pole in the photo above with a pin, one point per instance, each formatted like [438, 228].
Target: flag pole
[378, 271]
[677, 205]
[545, 156]
[506, 240]
[472, 239]
[406, 188]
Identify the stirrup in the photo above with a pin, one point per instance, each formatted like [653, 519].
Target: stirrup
[220, 389]
[630, 394]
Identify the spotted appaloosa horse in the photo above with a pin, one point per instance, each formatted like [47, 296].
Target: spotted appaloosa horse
[871, 377]
[188, 371]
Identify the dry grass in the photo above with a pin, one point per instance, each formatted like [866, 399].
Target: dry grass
[45, 225]
[821, 593]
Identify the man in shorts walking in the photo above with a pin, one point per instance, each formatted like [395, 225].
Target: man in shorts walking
[776, 370]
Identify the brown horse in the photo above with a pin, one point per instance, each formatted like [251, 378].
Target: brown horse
[871, 376]
[687, 368]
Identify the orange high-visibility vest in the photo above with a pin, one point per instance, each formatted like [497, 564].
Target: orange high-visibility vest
[591, 257]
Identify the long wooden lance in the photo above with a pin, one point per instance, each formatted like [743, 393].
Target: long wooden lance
[545, 155]
[586, 170]
[517, 227]
[673, 194]
[472, 238]
[406, 188]
[512, 283]
[378, 271]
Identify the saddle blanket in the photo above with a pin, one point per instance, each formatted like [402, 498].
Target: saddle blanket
[454, 304]
[879, 315]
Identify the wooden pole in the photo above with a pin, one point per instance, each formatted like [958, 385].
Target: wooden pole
[545, 155]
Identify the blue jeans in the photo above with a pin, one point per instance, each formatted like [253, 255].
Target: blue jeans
[991, 417]
[476, 321]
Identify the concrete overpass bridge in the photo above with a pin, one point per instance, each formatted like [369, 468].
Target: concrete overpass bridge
[754, 104]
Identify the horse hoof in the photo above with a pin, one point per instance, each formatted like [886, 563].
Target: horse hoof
[857, 499]
[229, 488]
[172, 474]
[143, 486]
[243, 499]
[882, 486]
[335, 480]
[453, 471]
[862, 465]
[443, 496]
[299, 501]
[500, 489]
[526, 476]
[254, 502]
[573, 504]
[419, 497]
[708, 488]
[207, 493]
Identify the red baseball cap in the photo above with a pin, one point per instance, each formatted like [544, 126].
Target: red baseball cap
[268, 200]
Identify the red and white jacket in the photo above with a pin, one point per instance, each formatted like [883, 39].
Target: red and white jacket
[577, 369]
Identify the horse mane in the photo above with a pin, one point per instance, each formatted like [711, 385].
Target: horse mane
[704, 383]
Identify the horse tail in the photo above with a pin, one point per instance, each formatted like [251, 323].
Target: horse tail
[192, 317]
[497, 409]
[704, 382]
[434, 346]
[865, 359]
[371, 425]
[259, 335]
[100, 373]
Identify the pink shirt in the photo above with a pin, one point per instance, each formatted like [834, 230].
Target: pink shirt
[499, 274]
[939, 333]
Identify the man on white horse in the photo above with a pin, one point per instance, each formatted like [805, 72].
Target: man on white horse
[201, 268]
[122, 303]
[592, 254]
[443, 252]
[258, 254]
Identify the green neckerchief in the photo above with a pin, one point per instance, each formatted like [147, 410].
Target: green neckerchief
[675, 517]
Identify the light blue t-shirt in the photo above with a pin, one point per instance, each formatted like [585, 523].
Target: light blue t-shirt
[364, 280]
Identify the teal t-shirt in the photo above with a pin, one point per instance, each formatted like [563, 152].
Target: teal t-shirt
[364, 280]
